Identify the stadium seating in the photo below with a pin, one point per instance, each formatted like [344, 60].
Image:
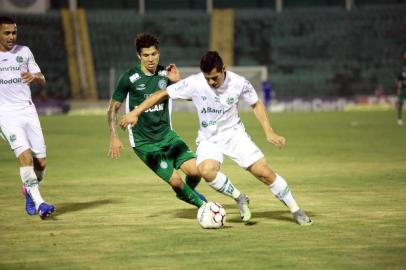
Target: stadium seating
[113, 33]
[309, 51]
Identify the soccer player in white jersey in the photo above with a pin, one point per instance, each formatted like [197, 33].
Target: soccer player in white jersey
[215, 92]
[19, 123]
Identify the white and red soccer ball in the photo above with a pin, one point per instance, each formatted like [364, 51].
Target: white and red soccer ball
[211, 215]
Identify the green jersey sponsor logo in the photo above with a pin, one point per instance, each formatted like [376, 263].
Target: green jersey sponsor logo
[140, 87]
[134, 77]
[163, 73]
[156, 108]
[162, 84]
[19, 59]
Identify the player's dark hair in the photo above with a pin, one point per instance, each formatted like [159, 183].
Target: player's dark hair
[211, 60]
[145, 40]
[6, 20]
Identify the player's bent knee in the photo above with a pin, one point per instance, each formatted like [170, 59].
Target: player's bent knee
[208, 173]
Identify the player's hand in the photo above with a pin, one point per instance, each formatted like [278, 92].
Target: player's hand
[27, 77]
[128, 119]
[115, 148]
[173, 73]
[276, 140]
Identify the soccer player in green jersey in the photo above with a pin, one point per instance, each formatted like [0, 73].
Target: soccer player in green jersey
[216, 94]
[153, 139]
[401, 90]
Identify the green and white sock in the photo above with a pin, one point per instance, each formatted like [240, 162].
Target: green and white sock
[223, 185]
[189, 196]
[281, 190]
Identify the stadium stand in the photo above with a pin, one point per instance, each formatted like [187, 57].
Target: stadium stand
[309, 50]
[113, 32]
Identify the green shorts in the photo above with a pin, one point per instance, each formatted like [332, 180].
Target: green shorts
[164, 156]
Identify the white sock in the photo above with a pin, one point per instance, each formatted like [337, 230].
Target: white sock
[223, 185]
[281, 190]
[30, 182]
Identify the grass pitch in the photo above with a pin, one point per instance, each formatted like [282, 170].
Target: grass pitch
[346, 170]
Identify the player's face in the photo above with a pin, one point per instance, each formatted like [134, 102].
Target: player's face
[215, 78]
[149, 59]
[8, 36]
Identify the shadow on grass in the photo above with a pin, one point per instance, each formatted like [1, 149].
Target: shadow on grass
[63, 208]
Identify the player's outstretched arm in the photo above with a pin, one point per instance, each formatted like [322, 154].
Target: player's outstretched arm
[131, 118]
[262, 117]
[116, 146]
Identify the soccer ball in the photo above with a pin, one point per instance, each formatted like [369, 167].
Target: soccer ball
[211, 215]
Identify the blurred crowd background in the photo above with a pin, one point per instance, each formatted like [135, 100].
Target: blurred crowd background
[310, 48]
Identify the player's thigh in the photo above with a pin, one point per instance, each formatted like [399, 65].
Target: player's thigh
[207, 150]
[189, 167]
[35, 136]
[242, 150]
[178, 151]
[156, 160]
[13, 132]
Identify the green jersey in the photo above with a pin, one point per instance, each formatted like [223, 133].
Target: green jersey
[136, 86]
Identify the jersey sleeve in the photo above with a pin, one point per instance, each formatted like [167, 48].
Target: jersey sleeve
[249, 94]
[120, 93]
[183, 89]
[31, 64]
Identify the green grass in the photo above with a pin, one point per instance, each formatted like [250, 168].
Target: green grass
[347, 170]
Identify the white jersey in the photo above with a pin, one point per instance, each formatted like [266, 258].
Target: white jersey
[217, 108]
[14, 94]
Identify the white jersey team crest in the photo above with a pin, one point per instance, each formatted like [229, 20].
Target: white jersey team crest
[14, 94]
[217, 108]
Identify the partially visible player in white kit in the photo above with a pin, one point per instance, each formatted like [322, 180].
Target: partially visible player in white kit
[19, 123]
[216, 93]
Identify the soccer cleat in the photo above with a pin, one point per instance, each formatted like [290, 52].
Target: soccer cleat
[242, 202]
[301, 218]
[29, 203]
[400, 122]
[201, 196]
[45, 210]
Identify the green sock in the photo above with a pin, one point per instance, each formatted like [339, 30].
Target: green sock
[189, 196]
[192, 181]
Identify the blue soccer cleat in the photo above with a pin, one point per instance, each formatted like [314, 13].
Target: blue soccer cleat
[29, 203]
[45, 210]
[201, 196]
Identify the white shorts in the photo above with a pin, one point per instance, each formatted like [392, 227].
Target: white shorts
[23, 131]
[239, 147]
